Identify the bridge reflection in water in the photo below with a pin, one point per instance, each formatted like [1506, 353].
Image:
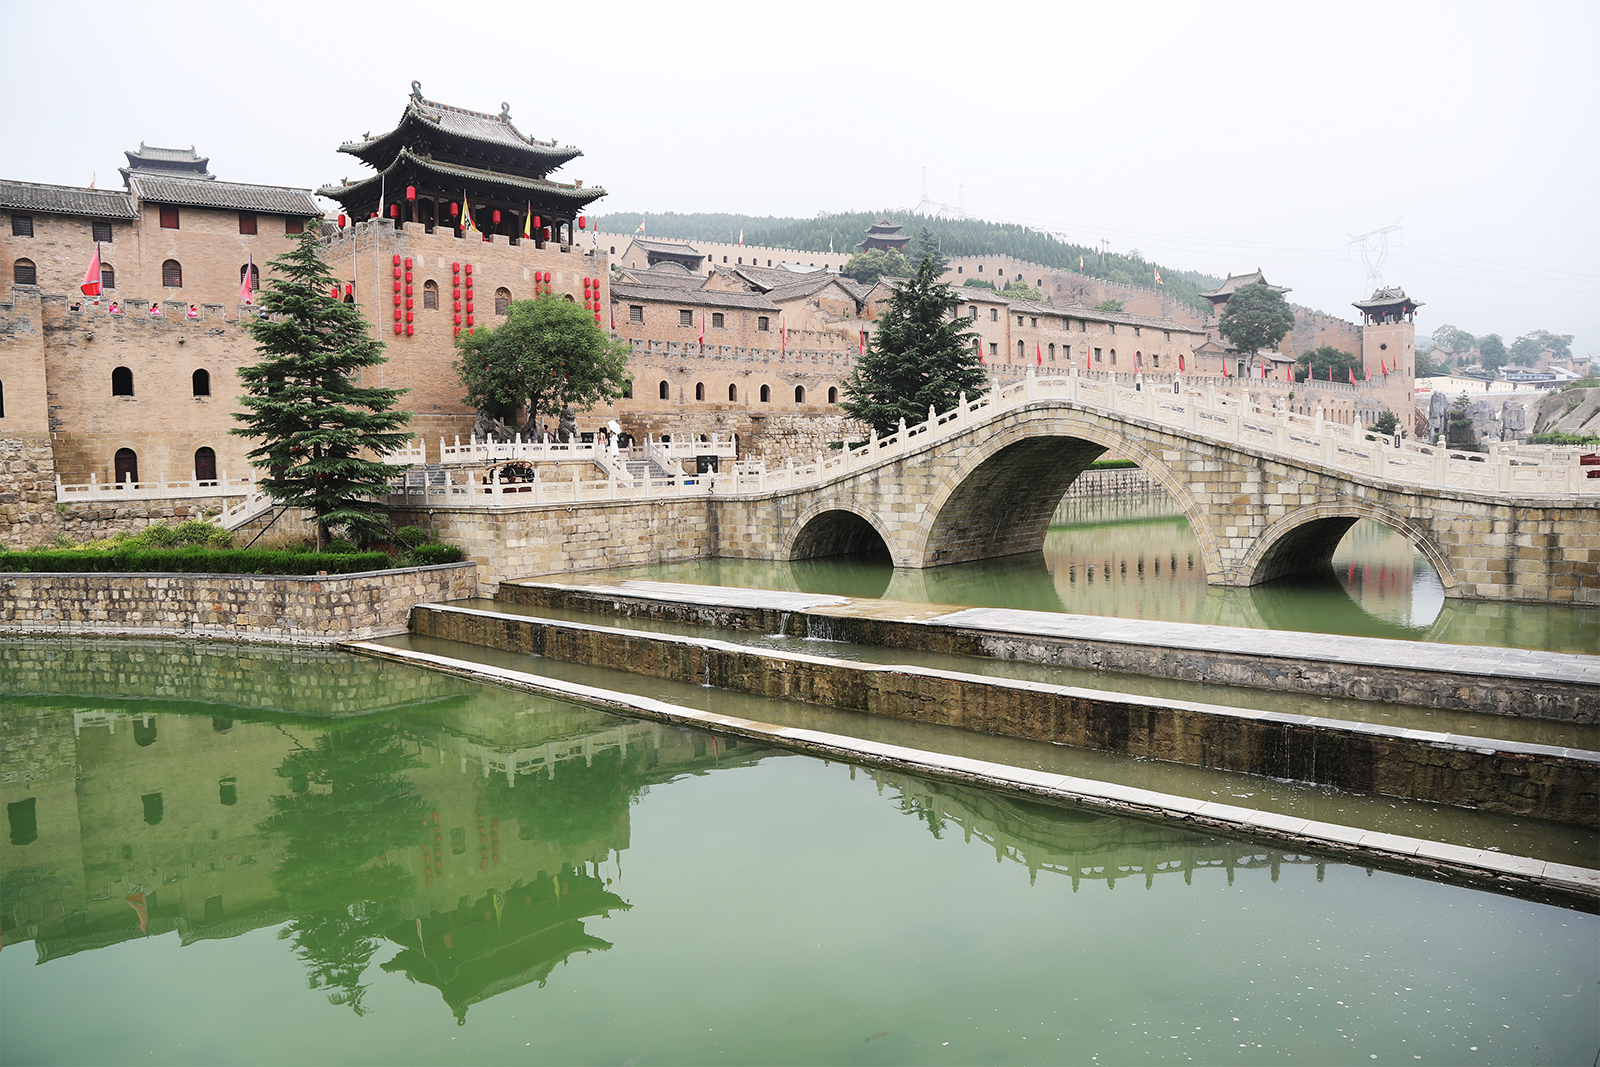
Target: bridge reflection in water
[477, 831]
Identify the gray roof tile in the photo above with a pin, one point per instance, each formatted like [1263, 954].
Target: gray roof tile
[231, 196]
[711, 298]
[67, 200]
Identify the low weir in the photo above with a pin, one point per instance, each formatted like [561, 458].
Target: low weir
[1558, 783]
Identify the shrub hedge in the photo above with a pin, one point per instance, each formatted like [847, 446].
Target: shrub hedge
[194, 561]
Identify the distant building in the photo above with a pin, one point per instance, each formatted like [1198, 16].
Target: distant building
[885, 235]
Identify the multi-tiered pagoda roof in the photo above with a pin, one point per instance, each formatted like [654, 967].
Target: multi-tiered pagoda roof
[1223, 292]
[885, 234]
[439, 156]
[1389, 304]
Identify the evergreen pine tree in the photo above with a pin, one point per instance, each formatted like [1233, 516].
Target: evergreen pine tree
[304, 404]
[921, 355]
[923, 245]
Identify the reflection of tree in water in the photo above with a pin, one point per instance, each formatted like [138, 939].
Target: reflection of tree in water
[578, 805]
[350, 802]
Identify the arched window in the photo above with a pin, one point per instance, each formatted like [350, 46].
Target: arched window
[255, 276]
[766, 395]
[833, 395]
[1022, 352]
[568, 299]
[172, 275]
[126, 465]
[699, 390]
[1052, 351]
[1113, 357]
[122, 382]
[202, 383]
[664, 390]
[799, 394]
[430, 296]
[733, 394]
[108, 276]
[502, 301]
[25, 273]
[205, 465]
[627, 391]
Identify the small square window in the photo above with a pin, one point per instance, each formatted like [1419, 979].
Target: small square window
[1035, 322]
[247, 223]
[1083, 325]
[22, 225]
[1097, 355]
[635, 313]
[102, 231]
[294, 225]
[763, 324]
[716, 320]
[685, 317]
[1019, 320]
[994, 349]
[994, 314]
[1113, 328]
[1136, 332]
[169, 218]
[1166, 335]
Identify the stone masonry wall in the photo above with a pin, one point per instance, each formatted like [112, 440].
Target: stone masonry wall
[314, 609]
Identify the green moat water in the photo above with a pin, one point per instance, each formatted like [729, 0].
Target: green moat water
[251, 855]
[1136, 557]
[246, 855]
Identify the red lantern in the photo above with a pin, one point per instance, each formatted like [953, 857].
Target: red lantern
[397, 327]
[409, 329]
[411, 192]
[537, 222]
[349, 289]
[496, 216]
[372, 214]
[469, 307]
[408, 303]
[597, 318]
[394, 211]
[458, 320]
[457, 306]
[408, 265]
[469, 319]
[335, 293]
[408, 290]
[583, 222]
[469, 268]
[455, 209]
[341, 222]
[455, 294]
[397, 263]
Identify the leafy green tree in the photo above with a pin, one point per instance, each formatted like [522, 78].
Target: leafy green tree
[1109, 305]
[1017, 289]
[1255, 317]
[1528, 348]
[1453, 340]
[1386, 423]
[1319, 361]
[305, 405]
[1492, 352]
[867, 267]
[921, 356]
[547, 355]
[978, 283]
[924, 244]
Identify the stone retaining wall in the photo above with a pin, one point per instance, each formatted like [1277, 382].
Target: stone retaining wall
[1538, 781]
[292, 609]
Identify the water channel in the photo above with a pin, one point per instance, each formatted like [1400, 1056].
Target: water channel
[258, 855]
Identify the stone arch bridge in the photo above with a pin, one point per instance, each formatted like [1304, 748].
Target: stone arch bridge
[1267, 493]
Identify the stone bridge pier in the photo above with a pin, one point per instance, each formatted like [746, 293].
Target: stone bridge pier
[989, 491]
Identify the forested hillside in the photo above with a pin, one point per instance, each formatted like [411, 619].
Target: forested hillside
[957, 237]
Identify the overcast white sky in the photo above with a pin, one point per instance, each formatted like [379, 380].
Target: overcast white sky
[1211, 136]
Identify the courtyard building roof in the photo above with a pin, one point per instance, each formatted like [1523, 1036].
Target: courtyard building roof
[172, 162]
[621, 292]
[67, 200]
[1389, 296]
[676, 248]
[1220, 294]
[228, 196]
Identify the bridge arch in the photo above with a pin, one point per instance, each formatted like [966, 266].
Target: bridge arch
[829, 528]
[1305, 539]
[999, 499]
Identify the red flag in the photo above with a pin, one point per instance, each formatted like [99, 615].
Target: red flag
[1288, 372]
[245, 292]
[91, 277]
[861, 346]
[136, 902]
[1383, 368]
[1352, 372]
[1180, 362]
[1038, 353]
[1263, 370]
[976, 344]
[1225, 368]
[702, 328]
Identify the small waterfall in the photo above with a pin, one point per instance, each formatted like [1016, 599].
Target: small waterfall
[705, 657]
[783, 624]
[820, 629]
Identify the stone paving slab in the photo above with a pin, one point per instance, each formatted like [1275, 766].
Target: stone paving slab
[1566, 884]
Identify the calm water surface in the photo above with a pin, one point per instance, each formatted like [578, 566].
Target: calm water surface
[239, 855]
[1136, 557]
